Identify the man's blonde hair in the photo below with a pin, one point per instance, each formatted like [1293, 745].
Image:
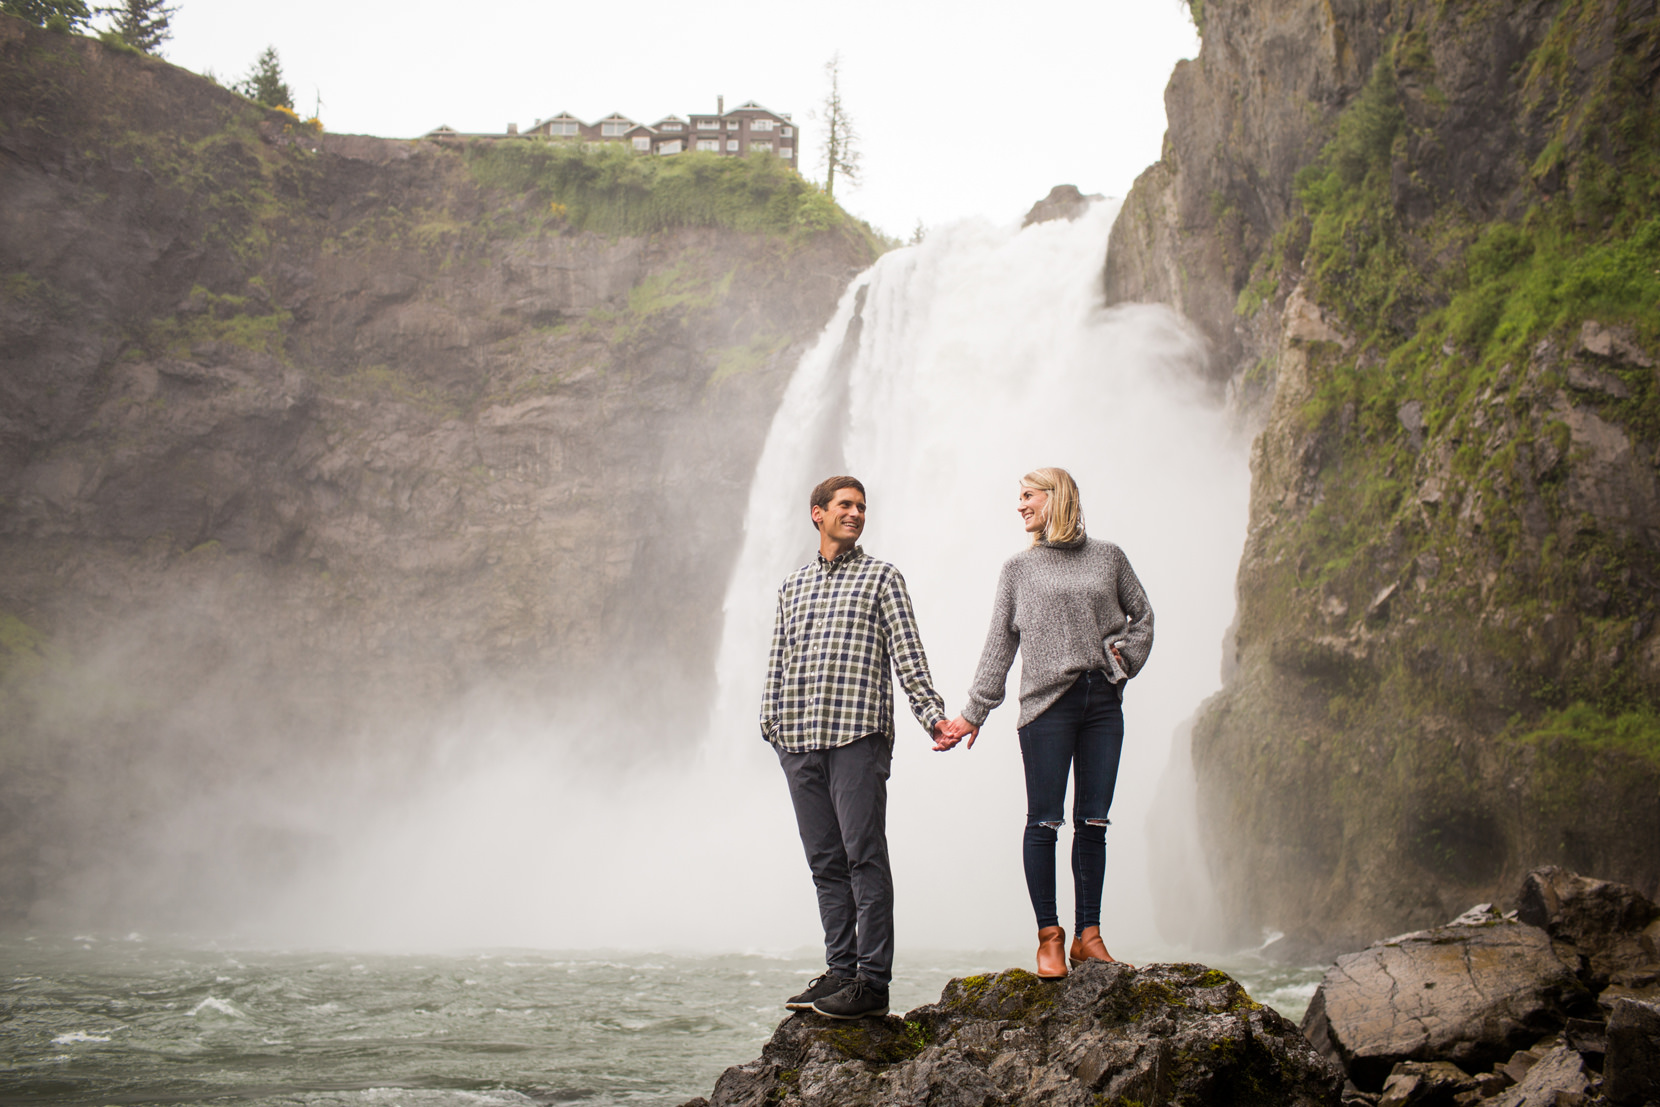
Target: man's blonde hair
[1063, 520]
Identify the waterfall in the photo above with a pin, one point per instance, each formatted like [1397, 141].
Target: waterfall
[950, 369]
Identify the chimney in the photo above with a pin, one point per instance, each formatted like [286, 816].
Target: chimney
[720, 105]
[512, 128]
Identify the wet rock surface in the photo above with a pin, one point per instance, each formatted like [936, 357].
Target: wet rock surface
[1528, 1009]
[1108, 1034]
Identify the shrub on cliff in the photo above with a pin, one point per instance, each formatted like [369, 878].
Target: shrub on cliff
[612, 190]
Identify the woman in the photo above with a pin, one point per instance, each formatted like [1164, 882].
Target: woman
[1074, 608]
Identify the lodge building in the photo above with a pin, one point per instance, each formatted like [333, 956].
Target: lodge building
[746, 129]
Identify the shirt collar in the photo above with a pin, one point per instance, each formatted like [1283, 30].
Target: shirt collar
[852, 555]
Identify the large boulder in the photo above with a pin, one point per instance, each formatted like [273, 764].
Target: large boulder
[1472, 992]
[1607, 921]
[1631, 1070]
[1108, 1033]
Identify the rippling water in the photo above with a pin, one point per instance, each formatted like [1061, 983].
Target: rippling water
[92, 1021]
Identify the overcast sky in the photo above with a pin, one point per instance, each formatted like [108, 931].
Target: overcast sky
[963, 108]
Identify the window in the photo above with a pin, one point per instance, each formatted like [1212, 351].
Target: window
[708, 124]
[672, 147]
[642, 143]
[788, 131]
[563, 128]
[709, 144]
[617, 129]
[785, 152]
[760, 124]
[732, 145]
[734, 124]
[764, 147]
[670, 127]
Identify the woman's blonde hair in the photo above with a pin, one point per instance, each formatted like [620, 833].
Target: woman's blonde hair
[1064, 517]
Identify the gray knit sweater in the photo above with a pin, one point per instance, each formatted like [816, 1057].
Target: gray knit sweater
[1061, 605]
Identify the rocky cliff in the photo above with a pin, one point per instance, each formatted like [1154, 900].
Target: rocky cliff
[1424, 241]
[302, 431]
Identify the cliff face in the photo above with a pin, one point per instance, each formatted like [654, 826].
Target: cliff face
[302, 430]
[1425, 242]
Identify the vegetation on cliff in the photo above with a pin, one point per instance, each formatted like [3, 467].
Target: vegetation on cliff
[1438, 230]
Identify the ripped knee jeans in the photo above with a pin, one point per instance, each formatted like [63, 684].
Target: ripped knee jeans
[1081, 735]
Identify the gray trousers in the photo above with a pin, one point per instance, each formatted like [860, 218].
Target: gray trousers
[841, 808]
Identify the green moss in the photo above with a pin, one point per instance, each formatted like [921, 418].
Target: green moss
[878, 1042]
[1587, 726]
[220, 317]
[733, 361]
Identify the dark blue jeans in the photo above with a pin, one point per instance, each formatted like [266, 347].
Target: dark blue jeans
[1081, 733]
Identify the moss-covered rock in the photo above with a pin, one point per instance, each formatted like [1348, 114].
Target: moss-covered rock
[1107, 1034]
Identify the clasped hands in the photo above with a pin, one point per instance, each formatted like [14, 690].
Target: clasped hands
[948, 734]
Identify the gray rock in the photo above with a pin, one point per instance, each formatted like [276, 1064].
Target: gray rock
[1585, 379]
[1606, 920]
[1411, 416]
[1467, 994]
[1163, 1034]
[1063, 202]
[1631, 1070]
[1424, 1084]
[1559, 1072]
[1612, 344]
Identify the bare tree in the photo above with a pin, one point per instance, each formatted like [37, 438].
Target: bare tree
[841, 151]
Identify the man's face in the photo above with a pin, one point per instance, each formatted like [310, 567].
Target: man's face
[844, 519]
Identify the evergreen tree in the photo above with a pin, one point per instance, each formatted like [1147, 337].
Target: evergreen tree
[63, 15]
[841, 154]
[264, 82]
[142, 24]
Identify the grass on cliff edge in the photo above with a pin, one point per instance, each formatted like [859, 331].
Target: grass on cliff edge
[1635, 732]
[612, 190]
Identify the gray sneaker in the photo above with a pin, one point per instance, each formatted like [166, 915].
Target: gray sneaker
[820, 987]
[856, 1001]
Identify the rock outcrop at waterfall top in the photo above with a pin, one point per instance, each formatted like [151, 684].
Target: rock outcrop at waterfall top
[1060, 604]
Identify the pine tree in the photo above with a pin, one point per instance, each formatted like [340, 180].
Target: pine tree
[841, 154]
[142, 24]
[264, 82]
[63, 15]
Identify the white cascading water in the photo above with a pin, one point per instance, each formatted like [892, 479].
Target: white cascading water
[979, 355]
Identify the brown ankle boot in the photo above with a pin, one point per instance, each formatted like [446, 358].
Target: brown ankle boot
[1051, 957]
[1087, 946]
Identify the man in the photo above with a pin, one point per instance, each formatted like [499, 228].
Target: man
[828, 711]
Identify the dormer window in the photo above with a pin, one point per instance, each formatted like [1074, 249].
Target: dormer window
[671, 127]
[708, 124]
[563, 127]
[760, 124]
[615, 128]
[787, 131]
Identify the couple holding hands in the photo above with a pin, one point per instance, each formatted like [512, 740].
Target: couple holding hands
[1073, 608]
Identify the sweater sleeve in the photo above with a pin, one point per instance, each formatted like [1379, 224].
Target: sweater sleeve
[1002, 641]
[1137, 640]
[910, 663]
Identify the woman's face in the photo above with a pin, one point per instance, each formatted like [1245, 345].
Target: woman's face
[1034, 508]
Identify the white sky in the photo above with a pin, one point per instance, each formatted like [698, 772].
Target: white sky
[964, 108]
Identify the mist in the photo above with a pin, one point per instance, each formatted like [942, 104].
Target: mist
[612, 817]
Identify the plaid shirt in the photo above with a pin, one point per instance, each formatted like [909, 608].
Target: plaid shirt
[838, 624]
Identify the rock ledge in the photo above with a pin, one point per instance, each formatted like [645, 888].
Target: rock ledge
[1107, 1035]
